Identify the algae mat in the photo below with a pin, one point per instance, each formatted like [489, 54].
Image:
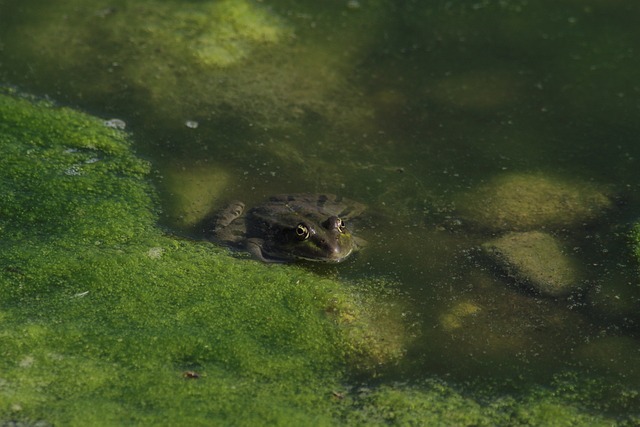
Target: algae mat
[106, 320]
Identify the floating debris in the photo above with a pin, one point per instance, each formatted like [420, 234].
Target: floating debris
[73, 171]
[115, 124]
[155, 253]
[191, 375]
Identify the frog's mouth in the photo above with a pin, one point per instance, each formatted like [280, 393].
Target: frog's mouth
[333, 258]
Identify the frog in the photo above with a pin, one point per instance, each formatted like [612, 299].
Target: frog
[290, 227]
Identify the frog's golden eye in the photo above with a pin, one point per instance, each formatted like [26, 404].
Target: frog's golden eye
[302, 232]
[341, 225]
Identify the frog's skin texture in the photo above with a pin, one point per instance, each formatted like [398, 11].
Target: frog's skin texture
[290, 227]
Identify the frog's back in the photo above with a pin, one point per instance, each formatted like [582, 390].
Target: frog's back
[316, 204]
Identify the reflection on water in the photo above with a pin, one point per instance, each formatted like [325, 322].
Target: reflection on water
[411, 108]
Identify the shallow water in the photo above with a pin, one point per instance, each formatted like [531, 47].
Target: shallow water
[401, 106]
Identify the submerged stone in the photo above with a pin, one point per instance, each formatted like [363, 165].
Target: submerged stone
[528, 201]
[193, 192]
[458, 315]
[537, 259]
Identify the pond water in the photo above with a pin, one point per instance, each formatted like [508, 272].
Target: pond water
[404, 106]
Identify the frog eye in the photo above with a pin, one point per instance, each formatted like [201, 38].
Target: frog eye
[302, 232]
[341, 225]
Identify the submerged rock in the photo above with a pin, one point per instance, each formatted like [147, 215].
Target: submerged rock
[537, 259]
[529, 201]
[193, 192]
[456, 317]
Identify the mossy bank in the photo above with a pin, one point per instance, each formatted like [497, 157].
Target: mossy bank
[107, 320]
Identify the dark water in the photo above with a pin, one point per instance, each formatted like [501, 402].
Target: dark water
[399, 105]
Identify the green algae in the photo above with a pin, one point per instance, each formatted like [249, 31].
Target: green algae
[221, 33]
[435, 403]
[40, 172]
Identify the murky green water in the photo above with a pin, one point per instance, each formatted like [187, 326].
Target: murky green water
[400, 105]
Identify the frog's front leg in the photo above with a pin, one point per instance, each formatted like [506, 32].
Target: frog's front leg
[254, 247]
